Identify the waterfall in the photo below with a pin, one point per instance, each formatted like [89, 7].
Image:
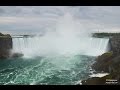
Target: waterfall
[98, 46]
[39, 46]
[69, 37]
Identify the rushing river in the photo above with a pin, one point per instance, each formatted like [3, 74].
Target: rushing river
[60, 70]
[60, 57]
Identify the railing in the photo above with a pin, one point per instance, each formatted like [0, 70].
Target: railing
[16, 36]
[22, 36]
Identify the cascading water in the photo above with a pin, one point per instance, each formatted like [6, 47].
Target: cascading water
[31, 47]
[68, 38]
[62, 56]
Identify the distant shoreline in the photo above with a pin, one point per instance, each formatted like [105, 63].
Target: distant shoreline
[105, 34]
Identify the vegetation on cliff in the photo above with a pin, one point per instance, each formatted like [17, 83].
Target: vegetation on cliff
[104, 34]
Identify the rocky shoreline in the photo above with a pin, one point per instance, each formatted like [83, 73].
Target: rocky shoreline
[108, 62]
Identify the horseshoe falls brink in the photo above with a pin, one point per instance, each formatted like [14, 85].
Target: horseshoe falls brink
[60, 57]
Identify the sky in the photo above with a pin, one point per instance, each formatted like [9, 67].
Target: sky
[40, 19]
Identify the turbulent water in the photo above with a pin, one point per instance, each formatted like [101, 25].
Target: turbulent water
[60, 70]
[60, 57]
[57, 69]
[39, 46]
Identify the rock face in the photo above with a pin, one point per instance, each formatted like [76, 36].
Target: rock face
[108, 62]
[115, 44]
[103, 62]
[5, 45]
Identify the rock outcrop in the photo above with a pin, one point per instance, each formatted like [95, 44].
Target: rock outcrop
[108, 62]
[115, 44]
[5, 45]
[103, 62]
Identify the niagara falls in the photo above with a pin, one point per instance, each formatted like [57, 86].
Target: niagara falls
[54, 45]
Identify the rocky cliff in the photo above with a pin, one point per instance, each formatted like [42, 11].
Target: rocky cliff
[115, 44]
[108, 62]
[5, 45]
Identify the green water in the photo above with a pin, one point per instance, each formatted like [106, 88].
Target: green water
[57, 70]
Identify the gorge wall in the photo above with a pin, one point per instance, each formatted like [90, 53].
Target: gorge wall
[5, 45]
[115, 44]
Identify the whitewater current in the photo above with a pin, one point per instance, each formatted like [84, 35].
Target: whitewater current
[62, 56]
[38, 46]
[46, 69]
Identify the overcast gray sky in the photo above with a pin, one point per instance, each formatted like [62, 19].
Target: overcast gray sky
[34, 19]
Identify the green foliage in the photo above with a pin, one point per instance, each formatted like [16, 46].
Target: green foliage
[5, 35]
[108, 53]
[103, 34]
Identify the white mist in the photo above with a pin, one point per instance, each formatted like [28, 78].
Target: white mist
[68, 38]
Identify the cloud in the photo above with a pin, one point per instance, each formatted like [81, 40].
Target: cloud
[32, 19]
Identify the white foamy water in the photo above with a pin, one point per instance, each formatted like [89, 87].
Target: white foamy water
[99, 75]
[39, 46]
[62, 56]
[68, 38]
